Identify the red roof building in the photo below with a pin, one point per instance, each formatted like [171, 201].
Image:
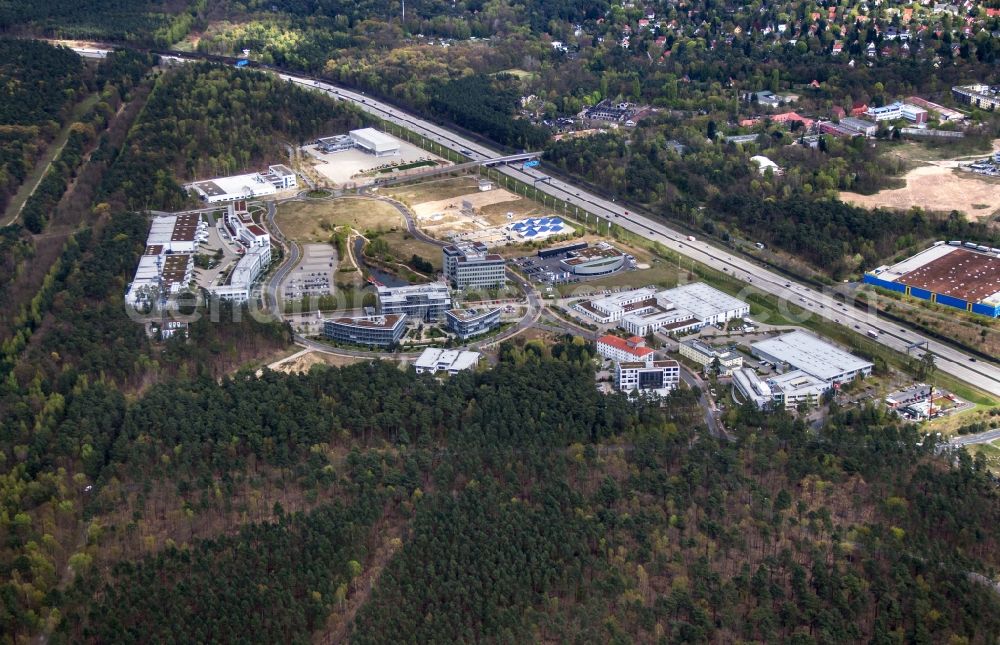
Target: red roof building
[623, 349]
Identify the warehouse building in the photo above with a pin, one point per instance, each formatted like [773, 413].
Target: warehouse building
[965, 276]
[433, 360]
[375, 142]
[466, 323]
[803, 351]
[373, 331]
[613, 307]
[472, 266]
[426, 302]
[648, 377]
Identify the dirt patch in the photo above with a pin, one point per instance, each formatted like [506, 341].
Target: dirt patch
[939, 186]
[451, 206]
[302, 362]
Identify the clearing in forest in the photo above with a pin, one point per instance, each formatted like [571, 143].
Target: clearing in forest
[939, 186]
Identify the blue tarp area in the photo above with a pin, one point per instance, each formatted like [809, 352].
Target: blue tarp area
[923, 294]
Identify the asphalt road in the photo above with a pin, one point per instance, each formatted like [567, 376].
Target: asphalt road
[971, 439]
[984, 375]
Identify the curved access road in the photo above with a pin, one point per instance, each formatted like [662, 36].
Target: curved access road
[981, 373]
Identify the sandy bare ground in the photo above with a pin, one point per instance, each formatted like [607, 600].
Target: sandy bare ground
[428, 211]
[302, 361]
[939, 186]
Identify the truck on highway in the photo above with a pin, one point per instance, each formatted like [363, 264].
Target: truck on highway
[690, 238]
[872, 333]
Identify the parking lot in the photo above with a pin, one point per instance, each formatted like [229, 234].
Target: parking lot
[548, 270]
[314, 275]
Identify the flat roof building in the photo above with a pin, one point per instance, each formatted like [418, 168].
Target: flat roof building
[814, 356]
[684, 308]
[167, 262]
[596, 260]
[375, 142]
[979, 95]
[654, 377]
[704, 355]
[466, 323]
[472, 266]
[434, 360]
[859, 126]
[226, 189]
[373, 331]
[965, 276]
[707, 304]
[788, 390]
[427, 302]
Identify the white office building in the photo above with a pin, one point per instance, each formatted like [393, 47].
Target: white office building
[614, 307]
[788, 390]
[801, 350]
[434, 360]
[427, 302]
[650, 376]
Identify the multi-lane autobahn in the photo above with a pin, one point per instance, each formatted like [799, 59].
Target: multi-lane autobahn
[984, 375]
[980, 373]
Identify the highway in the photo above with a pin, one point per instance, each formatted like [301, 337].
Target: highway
[982, 374]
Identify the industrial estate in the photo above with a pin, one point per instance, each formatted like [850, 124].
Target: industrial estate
[516, 321]
[480, 286]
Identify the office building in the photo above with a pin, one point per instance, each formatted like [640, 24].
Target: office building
[373, 331]
[426, 302]
[623, 349]
[702, 354]
[601, 259]
[788, 390]
[452, 361]
[472, 266]
[654, 377]
[466, 323]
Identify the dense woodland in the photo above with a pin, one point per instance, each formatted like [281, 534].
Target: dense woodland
[528, 506]
[205, 121]
[155, 492]
[39, 84]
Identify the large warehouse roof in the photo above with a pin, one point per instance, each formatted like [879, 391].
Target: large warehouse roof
[374, 140]
[701, 300]
[811, 354]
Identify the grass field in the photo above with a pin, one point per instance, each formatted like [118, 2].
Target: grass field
[989, 450]
[314, 221]
[434, 190]
[404, 246]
